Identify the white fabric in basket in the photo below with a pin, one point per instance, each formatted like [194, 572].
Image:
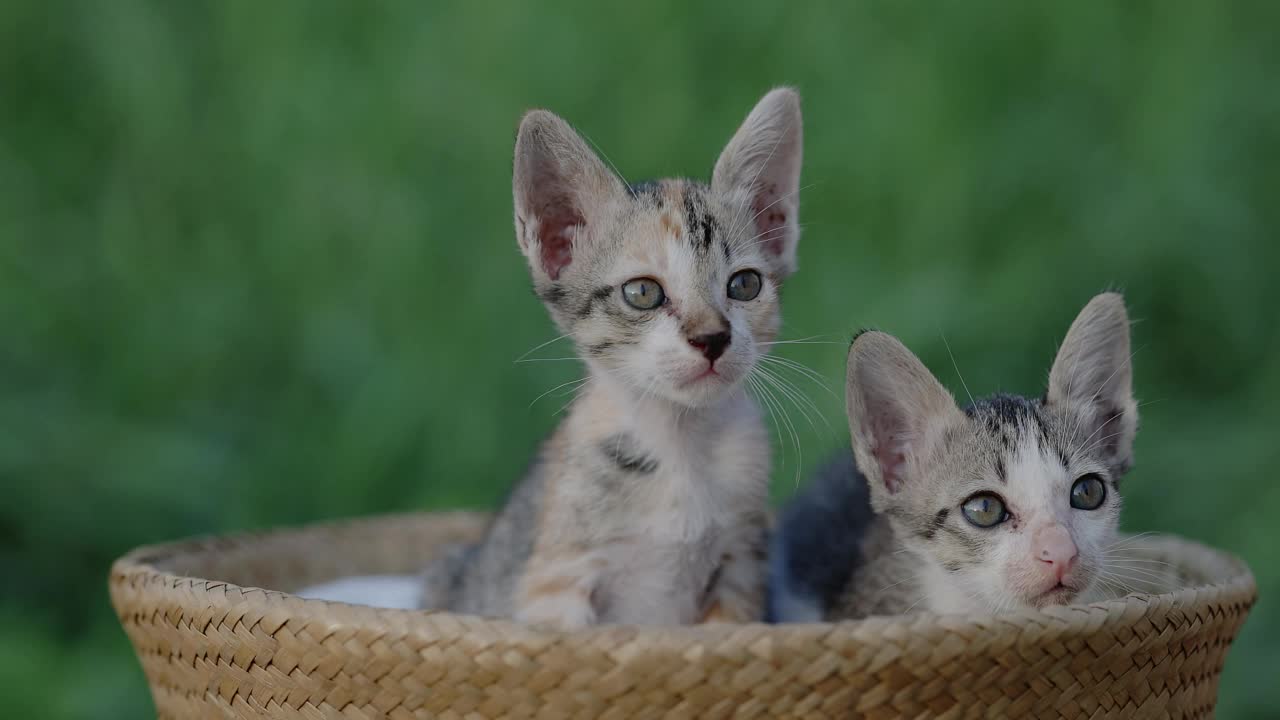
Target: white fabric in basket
[386, 591]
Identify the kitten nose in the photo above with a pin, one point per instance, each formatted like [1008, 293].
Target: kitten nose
[711, 345]
[1055, 547]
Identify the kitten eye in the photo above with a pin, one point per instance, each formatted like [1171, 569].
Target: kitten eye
[1088, 493]
[745, 285]
[984, 511]
[643, 293]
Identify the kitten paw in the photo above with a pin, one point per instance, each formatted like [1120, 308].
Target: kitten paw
[723, 613]
[561, 612]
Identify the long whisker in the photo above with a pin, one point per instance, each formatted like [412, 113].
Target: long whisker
[579, 381]
[801, 342]
[777, 427]
[761, 238]
[956, 366]
[800, 368]
[1130, 539]
[797, 397]
[1102, 439]
[1139, 572]
[1141, 560]
[603, 155]
[790, 426]
[536, 348]
[786, 196]
[1138, 581]
[1122, 366]
[894, 585]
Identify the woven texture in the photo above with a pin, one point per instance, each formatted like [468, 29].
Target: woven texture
[223, 648]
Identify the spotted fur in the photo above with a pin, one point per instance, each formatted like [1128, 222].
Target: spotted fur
[894, 522]
[648, 502]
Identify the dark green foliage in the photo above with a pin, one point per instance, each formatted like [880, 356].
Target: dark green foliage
[257, 265]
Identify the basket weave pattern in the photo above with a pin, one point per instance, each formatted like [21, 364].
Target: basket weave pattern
[223, 648]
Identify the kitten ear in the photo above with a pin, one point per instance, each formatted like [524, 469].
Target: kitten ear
[762, 161]
[897, 410]
[1093, 371]
[559, 186]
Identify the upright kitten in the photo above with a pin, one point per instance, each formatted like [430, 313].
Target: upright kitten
[647, 504]
[1011, 502]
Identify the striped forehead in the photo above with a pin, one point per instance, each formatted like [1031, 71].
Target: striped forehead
[1025, 449]
[675, 227]
[1035, 478]
[1010, 423]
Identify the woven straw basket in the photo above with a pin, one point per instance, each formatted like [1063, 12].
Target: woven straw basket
[223, 648]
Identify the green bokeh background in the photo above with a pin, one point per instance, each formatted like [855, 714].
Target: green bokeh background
[257, 265]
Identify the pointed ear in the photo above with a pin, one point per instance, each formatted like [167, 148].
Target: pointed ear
[897, 411]
[1094, 372]
[559, 186]
[762, 162]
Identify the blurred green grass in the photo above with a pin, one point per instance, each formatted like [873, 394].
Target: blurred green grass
[257, 265]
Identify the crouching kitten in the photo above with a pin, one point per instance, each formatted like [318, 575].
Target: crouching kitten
[648, 503]
[1010, 502]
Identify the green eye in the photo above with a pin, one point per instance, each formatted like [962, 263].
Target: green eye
[984, 510]
[1088, 493]
[643, 293]
[745, 285]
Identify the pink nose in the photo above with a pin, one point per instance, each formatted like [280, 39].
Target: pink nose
[1053, 545]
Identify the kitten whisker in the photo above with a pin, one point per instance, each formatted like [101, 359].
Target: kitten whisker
[800, 368]
[1145, 586]
[1140, 560]
[801, 400]
[536, 348]
[1138, 570]
[773, 418]
[797, 398]
[1120, 367]
[1128, 539]
[955, 365]
[894, 585]
[1152, 583]
[786, 196]
[788, 388]
[801, 342]
[560, 359]
[764, 237]
[786, 421]
[1116, 591]
[1102, 439]
[579, 381]
[603, 155]
[777, 427]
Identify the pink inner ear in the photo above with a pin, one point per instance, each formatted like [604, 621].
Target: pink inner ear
[556, 241]
[770, 218]
[893, 462]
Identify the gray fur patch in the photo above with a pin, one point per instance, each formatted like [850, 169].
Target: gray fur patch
[621, 450]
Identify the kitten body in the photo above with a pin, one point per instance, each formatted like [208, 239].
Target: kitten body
[887, 528]
[648, 503]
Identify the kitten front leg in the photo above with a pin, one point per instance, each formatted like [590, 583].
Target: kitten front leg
[737, 593]
[559, 589]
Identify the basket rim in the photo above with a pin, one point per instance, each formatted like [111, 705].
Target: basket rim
[139, 568]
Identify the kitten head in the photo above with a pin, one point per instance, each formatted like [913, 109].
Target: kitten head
[670, 287]
[1011, 502]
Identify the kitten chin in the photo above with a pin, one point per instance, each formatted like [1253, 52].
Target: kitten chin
[1010, 502]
